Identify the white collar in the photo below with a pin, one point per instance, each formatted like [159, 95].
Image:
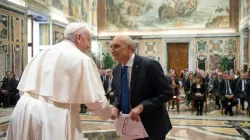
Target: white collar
[71, 43]
[131, 61]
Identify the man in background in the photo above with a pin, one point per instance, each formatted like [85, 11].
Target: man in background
[109, 87]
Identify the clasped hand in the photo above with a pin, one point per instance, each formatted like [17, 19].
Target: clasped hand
[229, 96]
[4, 91]
[134, 113]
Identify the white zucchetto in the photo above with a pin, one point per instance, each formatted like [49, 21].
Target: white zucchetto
[73, 27]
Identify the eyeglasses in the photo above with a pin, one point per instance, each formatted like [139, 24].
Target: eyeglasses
[124, 129]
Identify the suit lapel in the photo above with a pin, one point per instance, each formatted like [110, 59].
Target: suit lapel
[135, 73]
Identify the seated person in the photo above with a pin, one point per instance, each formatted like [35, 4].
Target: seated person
[83, 108]
[175, 84]
[8, 87]
[188, 85]
[241, 89]
[228, 94]
[198, 90]
[248, 94]
[109, 87]
[214, 89]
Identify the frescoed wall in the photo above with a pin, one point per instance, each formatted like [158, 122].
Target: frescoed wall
[70, 10]
[151, 48]
[57, 34]
[74, 9]
[244, 15]
[166, 14]
[210, 50]
[145, 47]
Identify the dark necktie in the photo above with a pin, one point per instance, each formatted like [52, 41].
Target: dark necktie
[125, 91]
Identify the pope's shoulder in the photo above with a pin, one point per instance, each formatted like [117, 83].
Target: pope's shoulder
[68, 50]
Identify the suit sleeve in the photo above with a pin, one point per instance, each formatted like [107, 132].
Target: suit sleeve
[163, 91]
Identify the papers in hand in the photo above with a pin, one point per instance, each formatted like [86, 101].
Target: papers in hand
[128, 129]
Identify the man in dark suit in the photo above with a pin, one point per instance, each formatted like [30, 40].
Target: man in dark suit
[248, 94]
[9, 87]
[228, 94]
[141, 88]
[241, 89]
[109, 87]
[103, 76]
[214, 89]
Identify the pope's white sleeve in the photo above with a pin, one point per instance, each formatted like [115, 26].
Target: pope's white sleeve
[93, 87]
[101, 108]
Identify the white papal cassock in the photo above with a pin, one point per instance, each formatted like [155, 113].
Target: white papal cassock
[55, 83]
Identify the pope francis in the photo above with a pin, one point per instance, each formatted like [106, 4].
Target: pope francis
[55, 83]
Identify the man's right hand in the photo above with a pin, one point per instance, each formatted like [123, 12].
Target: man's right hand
[116, 113]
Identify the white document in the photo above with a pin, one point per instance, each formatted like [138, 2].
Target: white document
[128, 129]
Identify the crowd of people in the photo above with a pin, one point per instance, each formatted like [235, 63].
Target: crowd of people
[227, 88]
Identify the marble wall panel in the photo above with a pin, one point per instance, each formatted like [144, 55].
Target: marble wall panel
[17, 59]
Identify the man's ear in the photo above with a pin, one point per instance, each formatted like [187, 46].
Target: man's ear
[78, 38]
[130, 48]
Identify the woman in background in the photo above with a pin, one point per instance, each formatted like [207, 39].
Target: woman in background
[187, 88]
[198, 91]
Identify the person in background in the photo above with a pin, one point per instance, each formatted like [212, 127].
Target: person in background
[237, 76]
[242, 89]
[231, 72]
[8, 88]
[248, 73]
[198, 91]
[189, 83]
[228, 94]
[175, 82]
[214, 89]
[109, 87]
[103, 76]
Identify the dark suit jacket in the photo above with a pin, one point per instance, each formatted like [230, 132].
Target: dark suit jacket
[223, 87]
[237, 79]
[106, 86]
[239, 87]
[216, 86]
[150, 88]
[188, 85]
[103, 77]
[10, 85]
[248, 91]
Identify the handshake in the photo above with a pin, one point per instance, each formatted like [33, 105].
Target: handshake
[134, 113]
